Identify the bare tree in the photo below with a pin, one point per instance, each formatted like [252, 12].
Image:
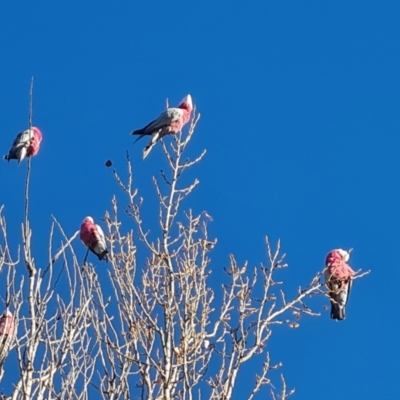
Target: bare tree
[152, 330]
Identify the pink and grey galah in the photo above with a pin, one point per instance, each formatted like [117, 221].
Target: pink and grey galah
[26, 144]
[170, 121]
[338, 276]
[93, 237]
[7, 334]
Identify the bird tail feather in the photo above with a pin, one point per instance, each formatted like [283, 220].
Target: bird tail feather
[104, 255]
[155, 138]
[338, 313]
[139, 137]
[148, 149]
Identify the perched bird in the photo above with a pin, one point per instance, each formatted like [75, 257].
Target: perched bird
[93, 237]
[26, 144]
[338, 276]
[170, 121]
[7, 331]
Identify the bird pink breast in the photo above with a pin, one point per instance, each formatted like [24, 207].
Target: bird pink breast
[181, 122]
[34, 145]
[88, 233]
[7, 326]
[338, 268]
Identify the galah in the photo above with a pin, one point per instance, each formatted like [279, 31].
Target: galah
[170, 121]
[7, 331]
[93, 237]
[338, 276]
[26, 144]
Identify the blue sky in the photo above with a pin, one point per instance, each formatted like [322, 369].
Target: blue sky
[300, 119]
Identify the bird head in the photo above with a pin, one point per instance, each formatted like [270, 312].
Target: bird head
[37, 132]
[187, 103]
[345, 255]
[338, 255]
[88, 219]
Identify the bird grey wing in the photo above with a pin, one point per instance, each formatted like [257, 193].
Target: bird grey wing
[331, 286]
[339, 292]
[348, 291]
[100, 234]
[334, 291]
[330, 281]
[327, 275]
[165, 119]
[175, 114]
[22, 138]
